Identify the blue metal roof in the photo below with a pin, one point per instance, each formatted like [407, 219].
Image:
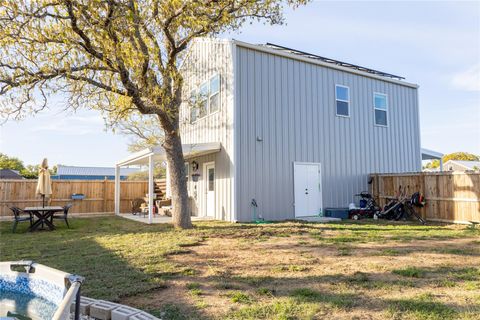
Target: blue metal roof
[93, 171]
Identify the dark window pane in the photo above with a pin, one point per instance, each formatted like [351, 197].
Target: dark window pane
[202, 108]
[211, 179]
[193, 114]
[342, 108]
[381, 117]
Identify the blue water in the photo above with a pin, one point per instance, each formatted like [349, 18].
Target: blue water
[25, 306]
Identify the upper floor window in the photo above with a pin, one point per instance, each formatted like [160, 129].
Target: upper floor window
[342, 97]
[380, 106]
[206, 100]
[215, 94]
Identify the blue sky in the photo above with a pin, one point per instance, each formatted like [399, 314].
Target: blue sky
[433, 44]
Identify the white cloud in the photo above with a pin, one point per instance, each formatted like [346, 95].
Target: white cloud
[71, 125]
[468, 80]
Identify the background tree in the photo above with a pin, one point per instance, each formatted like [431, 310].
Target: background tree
[144, 132]
[13, 163]
[118, 56]
[453, 156]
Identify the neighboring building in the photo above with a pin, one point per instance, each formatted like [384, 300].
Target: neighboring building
[10, 174]
[90, 173]
[461, 165]
[297, 132]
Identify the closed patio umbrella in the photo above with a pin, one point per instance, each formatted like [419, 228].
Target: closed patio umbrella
[44, 184]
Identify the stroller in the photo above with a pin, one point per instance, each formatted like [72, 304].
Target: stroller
[368, 207]
[402, 207]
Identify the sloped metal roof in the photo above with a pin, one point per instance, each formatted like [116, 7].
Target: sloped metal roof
[10, 174]
[471, 165]
[93, 171]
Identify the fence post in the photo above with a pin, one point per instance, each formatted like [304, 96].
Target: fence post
[104, 207]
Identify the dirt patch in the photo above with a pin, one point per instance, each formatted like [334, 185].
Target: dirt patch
[348, 279]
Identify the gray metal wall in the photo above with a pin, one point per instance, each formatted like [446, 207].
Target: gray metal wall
[207, 57]
[290, 104]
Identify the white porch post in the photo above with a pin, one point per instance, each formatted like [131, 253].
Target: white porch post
[168, 187]
[441, 164]
[150, 188]
[117, 190]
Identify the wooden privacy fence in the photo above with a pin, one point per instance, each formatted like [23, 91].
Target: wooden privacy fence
[99, 194]
[450, 196]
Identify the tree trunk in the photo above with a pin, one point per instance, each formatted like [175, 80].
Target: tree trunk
[178, 182]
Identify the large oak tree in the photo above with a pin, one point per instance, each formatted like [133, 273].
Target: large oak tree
[118, 56]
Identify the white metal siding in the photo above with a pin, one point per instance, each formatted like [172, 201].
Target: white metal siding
[206, 58]
[290, 104]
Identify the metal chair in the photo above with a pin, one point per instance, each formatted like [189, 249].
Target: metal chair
[64, 215]
[20, 216]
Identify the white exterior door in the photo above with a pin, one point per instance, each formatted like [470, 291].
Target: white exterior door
[307, 189]
[210, 189]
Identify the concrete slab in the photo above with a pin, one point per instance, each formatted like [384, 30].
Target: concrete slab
[156, 218]
[318, 219]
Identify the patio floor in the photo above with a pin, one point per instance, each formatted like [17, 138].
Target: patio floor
[157, 218]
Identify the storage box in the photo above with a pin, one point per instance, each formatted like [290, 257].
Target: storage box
[341, 213]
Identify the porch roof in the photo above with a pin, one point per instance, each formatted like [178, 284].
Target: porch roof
[190, 150]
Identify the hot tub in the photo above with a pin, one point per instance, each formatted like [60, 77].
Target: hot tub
[30, 290]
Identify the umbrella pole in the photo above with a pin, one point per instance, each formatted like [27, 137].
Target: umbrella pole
[43, 201]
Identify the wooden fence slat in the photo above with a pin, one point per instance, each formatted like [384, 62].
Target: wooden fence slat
[450, 196]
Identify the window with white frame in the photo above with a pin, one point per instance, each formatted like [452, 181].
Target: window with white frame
[214, 94]
[380, 106]
[206, 100]
[342, 97]
[203, 100]
[194, 108]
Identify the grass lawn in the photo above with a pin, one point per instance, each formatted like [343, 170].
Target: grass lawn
[290, 270]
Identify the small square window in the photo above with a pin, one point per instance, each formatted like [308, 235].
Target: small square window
[342, 97]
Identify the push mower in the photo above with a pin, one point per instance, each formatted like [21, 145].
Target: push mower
[402, 207]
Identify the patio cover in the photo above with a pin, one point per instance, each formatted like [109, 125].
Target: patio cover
[151, 155]
[431, 155]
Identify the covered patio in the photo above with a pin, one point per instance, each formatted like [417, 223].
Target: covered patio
[150, 156]
[428, 154]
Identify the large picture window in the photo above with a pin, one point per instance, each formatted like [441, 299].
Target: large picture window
[342, 97]
[380, 106]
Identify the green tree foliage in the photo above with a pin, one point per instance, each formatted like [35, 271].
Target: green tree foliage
[121, 57]
[453, 156]
[13, 163]
[30, 171]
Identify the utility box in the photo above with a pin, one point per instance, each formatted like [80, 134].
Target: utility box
[341, 213]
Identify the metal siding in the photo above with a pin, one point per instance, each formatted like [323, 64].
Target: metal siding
[291, 105]
[206, 58]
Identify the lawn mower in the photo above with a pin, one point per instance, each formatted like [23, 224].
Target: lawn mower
[368, 207]
[402, 207]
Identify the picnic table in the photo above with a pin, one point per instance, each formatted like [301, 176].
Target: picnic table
[43, 215]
